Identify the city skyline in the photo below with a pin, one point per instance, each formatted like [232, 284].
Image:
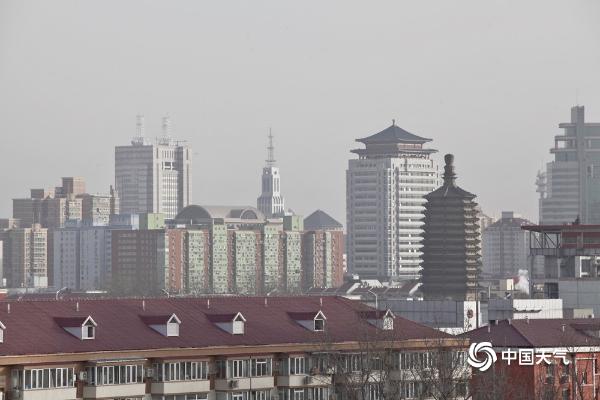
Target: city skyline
[229, 94]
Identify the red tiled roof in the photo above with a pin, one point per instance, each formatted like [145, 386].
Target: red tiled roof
[538, 333]
[221, 317]
[303, 316]
[155, 319]
[70, 322]
[31, 327]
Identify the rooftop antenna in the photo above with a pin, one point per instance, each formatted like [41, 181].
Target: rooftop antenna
[139, 125]
[270, 151]
[166, 126]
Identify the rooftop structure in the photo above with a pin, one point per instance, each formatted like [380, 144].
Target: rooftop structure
[271, 202]
[320, 220]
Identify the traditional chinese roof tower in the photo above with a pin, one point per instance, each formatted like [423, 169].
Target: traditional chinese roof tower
[451, 252]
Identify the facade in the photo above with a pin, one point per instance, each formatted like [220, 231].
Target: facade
[385, 198]
[27, 256]
[505, 246]
[452, 257]
[153, 178]
[271, 202]
[97, 209]
[266, 348]
[570, 188]
[563, 353]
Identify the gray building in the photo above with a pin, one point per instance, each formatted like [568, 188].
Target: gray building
[570, 188]
[271, 202]
[505, 246]
[385, 198]
[153, 177]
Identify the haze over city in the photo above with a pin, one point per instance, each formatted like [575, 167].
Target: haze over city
[487, 81]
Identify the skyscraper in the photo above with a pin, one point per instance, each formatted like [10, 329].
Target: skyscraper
[153, 178]
[385, 189]
[28, 253]
[451, 252]
[571, 186]
[270, 202]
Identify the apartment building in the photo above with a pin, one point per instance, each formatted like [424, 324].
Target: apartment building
[267, 348]
[385, 198]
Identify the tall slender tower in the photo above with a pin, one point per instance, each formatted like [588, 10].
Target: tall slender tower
[451, 252]
[271, 201]
[153, 177]
[385, 189]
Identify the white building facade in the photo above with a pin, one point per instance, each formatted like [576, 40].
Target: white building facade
[153, 177]
[385, 189]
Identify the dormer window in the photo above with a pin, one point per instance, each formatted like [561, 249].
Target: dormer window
[232, 323]
[166, 325]
[313, 321]
[2, 328]
[380, 319]
[83, 328]
[319, 324]
[238, 324]
[388, 323]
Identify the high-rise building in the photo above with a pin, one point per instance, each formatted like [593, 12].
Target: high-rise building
[451, 252]
[154, 177]
[505, 246]
[385, 189]
[74, 185]
[97, 208]
[271, 202]
[28, 254]
[570, 188]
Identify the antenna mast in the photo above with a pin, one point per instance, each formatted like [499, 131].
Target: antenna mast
[270, 151]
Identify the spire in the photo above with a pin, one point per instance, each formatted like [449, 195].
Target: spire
[139, 125]
[166, 126]
[449, 175]
[270, 151]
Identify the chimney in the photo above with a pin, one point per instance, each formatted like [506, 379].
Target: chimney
[265, 301]
[489, 328]
[144, 305]
[321, 301]
[208, 304]
[77, 306]
[8, 308]
[509, 321]
[563, 327]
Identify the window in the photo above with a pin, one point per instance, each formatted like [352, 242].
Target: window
[319, 324]
[297, 366]
[388, 323]
[238, 368]
[115, 374]
[173, 327]
[261, 367]
[48, 378]
[88, 332]
[298, 394]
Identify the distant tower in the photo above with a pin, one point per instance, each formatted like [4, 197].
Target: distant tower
[271, 201]
[451, 244]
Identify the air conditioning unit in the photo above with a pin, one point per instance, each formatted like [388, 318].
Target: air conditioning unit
[149, 372]
[233, 384]
[83, 376]
[308, 380]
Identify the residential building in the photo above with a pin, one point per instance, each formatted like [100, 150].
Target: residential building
[570, 188]
[505, 246]
[271, 202]
[154, 177]
[452, 256]
[539, 359]
[226, 348]
[385, 198]
[74, 185]
[97, 208]
[28, 257]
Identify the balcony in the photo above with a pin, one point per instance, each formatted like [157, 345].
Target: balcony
[263, 382]
[304, 380]
[111, 391]
[46, 394]
[177, 387]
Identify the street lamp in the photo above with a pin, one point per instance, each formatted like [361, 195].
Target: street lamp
[376, 298]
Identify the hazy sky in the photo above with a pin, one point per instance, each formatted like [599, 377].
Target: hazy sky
[488, 80]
